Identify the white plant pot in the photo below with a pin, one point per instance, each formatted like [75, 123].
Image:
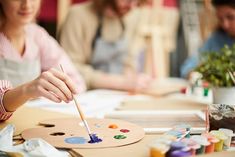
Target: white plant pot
[224, 96]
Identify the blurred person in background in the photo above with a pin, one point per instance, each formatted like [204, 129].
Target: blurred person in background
[98, 36]
[224, 35]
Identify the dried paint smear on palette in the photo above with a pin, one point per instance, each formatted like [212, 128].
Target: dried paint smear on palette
[70, 133]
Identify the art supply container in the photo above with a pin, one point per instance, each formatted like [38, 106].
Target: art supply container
[176, 146]
[221, 116]
[229, 133]
[202, 141]
[191, 145]
[159, 150]
[177, 133]
[160, 146]
[212, 140]
[184, 128]
[221, 136]
[180, 153]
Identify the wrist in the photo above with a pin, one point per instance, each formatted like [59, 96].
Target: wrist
[27, 91]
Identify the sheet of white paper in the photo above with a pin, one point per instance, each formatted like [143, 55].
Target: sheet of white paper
[94, 103]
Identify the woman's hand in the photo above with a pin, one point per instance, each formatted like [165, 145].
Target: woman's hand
[52, 84]
[137, 82]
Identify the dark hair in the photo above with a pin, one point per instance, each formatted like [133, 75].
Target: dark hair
[2, 16]
[100, 5]
[218, 3]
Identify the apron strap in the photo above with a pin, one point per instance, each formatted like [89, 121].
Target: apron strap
[100, 26]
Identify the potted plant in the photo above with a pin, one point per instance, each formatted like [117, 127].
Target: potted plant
[215, 68]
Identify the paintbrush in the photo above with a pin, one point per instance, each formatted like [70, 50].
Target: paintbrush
[93, 137]
[231, 76]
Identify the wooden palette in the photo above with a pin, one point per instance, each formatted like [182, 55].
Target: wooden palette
[58, 131]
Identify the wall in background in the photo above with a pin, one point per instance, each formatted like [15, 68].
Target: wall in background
[48, 15]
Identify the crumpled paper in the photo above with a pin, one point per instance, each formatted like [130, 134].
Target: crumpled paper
[6, 135]
[31, 148]
[40, 148]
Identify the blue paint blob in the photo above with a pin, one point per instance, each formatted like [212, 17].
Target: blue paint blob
[76, 140]
[94, 139]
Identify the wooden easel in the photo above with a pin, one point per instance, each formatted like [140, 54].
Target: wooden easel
[159, 35]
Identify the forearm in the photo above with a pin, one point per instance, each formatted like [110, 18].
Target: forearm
[15, 98]
[52, 84]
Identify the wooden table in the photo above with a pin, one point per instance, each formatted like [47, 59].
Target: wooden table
[25, 118]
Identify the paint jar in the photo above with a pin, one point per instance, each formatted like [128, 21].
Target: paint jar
[221, 116]
[221, 136]
[176, 133]
[176, 145]
[212, 140]
[160, 146]
[202, 141]
[191, 145]
[166, 139]
[229, 133]
[159, 150]
[184, 128]
[180, 153]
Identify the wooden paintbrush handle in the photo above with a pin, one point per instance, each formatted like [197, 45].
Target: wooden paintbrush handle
[79, 108]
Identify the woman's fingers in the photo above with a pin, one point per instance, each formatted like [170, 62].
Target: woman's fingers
[54, 85]
[58, 92]
[62, 76]
[59, 87]
[48, 95]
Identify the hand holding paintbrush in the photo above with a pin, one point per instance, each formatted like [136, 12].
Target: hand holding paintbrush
[93, 137]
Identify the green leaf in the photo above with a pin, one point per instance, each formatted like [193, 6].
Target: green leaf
[214, 66]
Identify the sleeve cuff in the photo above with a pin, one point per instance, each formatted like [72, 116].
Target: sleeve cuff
[4, 87]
